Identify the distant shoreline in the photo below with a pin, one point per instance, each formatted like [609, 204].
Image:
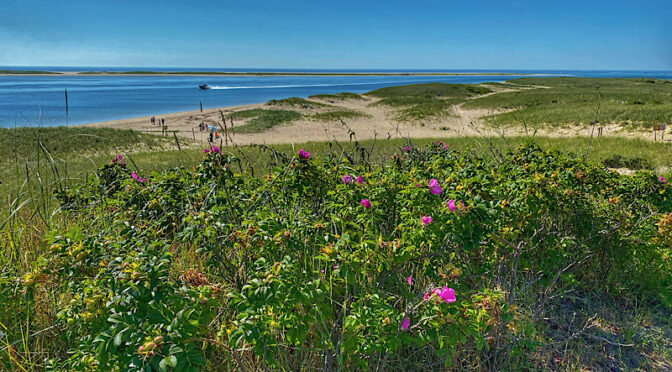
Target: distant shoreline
[255, 73]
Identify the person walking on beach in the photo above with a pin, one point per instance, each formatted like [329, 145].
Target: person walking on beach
[210, 140]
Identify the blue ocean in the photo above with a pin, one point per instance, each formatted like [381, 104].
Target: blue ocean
[40, 100]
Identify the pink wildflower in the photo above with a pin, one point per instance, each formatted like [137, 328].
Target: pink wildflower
[206, 150]
[434, 187]
[346, 178]
[409, 280]
[303, 154]
[216, 149]
[118, 160]
[137, 178]
[446, 294]
[405, 323]
[360, 180]
[366, 203]
[426, 296]
[426, 220]
[662, 180]
[407, 148]
[451, 205]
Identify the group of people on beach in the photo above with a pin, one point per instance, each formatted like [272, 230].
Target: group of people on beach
[155, 121]
[162, 122]
[213, 136]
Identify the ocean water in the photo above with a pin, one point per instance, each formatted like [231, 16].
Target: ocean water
[40, 100]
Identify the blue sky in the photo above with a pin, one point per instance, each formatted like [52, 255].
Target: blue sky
[429, 34]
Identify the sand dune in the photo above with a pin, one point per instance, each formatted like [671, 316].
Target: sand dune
[380, 121]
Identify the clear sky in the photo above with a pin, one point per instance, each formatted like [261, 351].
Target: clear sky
[390, 34]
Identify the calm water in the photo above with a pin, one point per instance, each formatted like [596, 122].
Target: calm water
[40, 100]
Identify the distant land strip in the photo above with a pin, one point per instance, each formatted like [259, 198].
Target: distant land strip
[259, 73]
[25, 72]
[296, 73]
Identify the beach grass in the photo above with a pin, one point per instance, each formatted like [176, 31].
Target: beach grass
[339, 114]
[339, 96]
[260, 120]
[25, 142]
[430, 90]
[418, 102]
[631, 103]
[297, 102]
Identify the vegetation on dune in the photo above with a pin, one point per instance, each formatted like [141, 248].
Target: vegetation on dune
[297, 102]
[431, 258]
[134, 222]
[339, 114]
[632, 103]
[64, 141]
[260, 120]
[340, 96]
[430, 90]
[426, 101]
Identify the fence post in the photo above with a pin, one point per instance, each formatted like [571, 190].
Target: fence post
[176, 141]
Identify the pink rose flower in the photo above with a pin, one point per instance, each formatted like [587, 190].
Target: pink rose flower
[434, 187]
[303, 154]
[346, 179]
[451, 205]
[405, 323]
[366, 203]
[426, 220]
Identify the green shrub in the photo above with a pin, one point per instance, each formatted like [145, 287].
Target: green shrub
[334, 263]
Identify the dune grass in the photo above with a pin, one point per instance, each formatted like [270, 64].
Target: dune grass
[339, 96]
[559, 101]
[297, 102]
[339, 114]
[426, 101]
[21, 143]
[261, 120]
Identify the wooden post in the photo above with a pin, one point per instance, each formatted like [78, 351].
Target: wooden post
[193, 134]
[67, 111]
[176, 141]
[201, 106]
[224, 129]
